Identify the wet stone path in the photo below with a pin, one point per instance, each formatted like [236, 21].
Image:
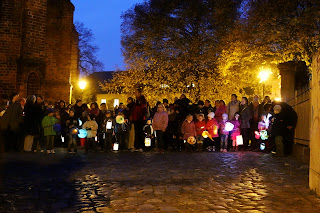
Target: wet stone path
[150, 182]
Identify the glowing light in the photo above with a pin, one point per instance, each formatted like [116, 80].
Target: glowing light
[147, 142]
[82, 84]
[116, 146]
[229, 127]
[239, 140]
[264, 74]
[191, 140]
[262, 146]
[74, 131]
[278, 99]
[82, 133]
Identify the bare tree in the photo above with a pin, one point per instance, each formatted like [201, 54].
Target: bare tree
[88, 61]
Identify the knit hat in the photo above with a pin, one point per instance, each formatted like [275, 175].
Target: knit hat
[277, 108]
[225, 115]
[211, 115]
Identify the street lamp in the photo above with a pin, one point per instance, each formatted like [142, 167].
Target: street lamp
[82, 85]
[264, 75]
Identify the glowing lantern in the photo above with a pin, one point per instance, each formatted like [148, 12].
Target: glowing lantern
[147, 142]
[215, 130]
[80, 122]
[206, 134]
[74, 131]
[262, 146]
[119, 119]
[116, 146]
[62, 139]
[96, 138]
[257, 135]
[264, 135]
[82, 133]
[109, 125]
[239, 140]
[191, 140]
[229, 127]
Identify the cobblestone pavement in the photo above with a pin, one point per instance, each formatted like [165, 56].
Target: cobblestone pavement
[150, 182]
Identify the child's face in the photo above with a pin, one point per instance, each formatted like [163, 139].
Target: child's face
[108, 115]
[71, 113]
[237, 116]
[200, 118]
[189, 118]
[148, 122]
[263, 117]
[224, 118]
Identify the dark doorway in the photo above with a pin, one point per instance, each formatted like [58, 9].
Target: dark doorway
[33, 84]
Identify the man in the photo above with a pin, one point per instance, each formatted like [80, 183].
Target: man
[207, 107]
[128, 115]
[216, 105]
[78, 109]
[138, 119]
[233, 107]
[40, 111]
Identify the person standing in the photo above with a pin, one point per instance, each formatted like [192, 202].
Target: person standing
[160, 124]
[233, 107]
[138, 118]
[30, 123]
[245, 117]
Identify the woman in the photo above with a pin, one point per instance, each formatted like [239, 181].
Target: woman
[94, 109]
[220, 110]
[245, 117]
[160, 124]
[30, 123]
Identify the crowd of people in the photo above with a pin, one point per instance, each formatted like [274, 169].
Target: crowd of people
[33, 125]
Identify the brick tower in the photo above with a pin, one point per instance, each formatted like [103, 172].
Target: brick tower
[38, 48]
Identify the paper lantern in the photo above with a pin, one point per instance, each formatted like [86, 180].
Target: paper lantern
[215, 130]
[62, 139]
[229, 127]
[74, 131]
[147, 142]
[82, 133]
[206, 134]
[116, 146]
[264, 135]
[257, 135]
[120, 119]
[191, 140]
[80, 122]
[109, 125]
[239, 140]
[262, 146]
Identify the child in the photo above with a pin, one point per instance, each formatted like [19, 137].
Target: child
[148, 130]
[236, 131]
[91, 126]
[188, 129]
[71, 124]
[212, 127]
[120, 130]
[263, 132]
[47, 123]
[109, 124]
[200, 128]
[223, 133]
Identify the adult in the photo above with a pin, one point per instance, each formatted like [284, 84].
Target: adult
[216, 105]
[4, 102]
[10, 123]
[30, 126]
[101, 125]
[220, 110]
[78, 109]
[160, 124]
[165, 103]
[233, 107]
[128, 115]
[138, 119]
[245, 117]
[94, 109]
[207, 107]
[40, 111]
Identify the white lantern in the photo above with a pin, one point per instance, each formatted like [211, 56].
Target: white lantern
[262, 146]
[62, 139]
[116, 146]
[229, 127]
[147, 142]
[96, 138]
[109, 125]
[239, 140]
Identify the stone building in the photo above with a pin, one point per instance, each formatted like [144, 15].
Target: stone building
[38, 48]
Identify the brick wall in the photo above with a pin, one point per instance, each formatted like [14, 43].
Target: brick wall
[37, 38]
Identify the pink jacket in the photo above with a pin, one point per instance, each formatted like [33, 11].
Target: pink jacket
[188, 129]
[160, 120]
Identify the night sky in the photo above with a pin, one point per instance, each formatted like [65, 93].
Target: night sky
[103, 18]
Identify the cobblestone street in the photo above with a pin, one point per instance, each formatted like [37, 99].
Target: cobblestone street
[150, 182]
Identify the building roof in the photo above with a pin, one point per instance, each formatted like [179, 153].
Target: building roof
[96, 77]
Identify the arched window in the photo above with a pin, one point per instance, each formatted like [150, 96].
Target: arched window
[33, 84]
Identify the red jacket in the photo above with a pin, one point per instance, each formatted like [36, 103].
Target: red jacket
[139, 109]
[200, 127]
[212, 128]
[188, 129]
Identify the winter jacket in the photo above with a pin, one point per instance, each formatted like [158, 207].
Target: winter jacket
[30, 122]
[279, 125]
[188, 129]
[47, 124]
[245, 116]
[236, 129]
[160, 121]
[232, 108]
[148, 130]
[92, 128]
[219, 112]
[212, 127]
[200, 127]
[139, 109]
[13, 117]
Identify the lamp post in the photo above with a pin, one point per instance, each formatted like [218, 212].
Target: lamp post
[263, 76]
[82, 85]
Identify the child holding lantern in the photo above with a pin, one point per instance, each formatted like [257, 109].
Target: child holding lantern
[200, 128]
[225, 128]
[188, 130]
[212, 128]
[236, 131]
